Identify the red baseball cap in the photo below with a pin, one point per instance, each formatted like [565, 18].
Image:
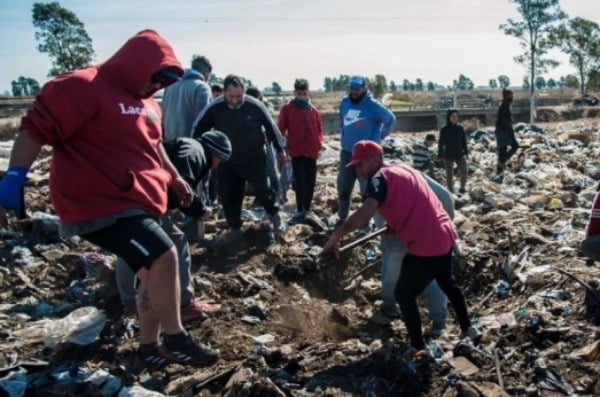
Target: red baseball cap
[364, 149]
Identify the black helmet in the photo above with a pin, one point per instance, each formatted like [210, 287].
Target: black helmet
[217, 143]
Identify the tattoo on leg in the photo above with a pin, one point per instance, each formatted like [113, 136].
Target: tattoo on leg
[145, 301]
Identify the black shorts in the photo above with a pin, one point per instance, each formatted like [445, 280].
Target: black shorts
[139, 240]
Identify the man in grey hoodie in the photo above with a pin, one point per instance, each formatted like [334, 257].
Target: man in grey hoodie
[184, 101]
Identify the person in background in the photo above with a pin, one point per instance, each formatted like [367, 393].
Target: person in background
[183, 101]
[423, 157]
[590, 246]
[452, 147]
[271, 163]
[361, 117]
[300, 122]
[216, 90]
[505, 135]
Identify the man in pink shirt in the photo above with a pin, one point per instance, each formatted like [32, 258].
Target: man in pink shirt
[404, 199]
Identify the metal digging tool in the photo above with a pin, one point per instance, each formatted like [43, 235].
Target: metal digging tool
[356, 242]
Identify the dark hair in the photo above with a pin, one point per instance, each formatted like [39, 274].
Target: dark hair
[300, 85]
[216, 87]
[201, 64]
[449, 113]
[429, 137]
[233, 80]
[254, 92]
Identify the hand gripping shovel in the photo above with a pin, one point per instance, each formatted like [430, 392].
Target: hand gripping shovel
[355, 243]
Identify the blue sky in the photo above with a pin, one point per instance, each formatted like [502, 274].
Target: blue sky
[279, 40]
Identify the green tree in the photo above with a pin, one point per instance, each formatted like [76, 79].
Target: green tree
[276, 88]
[328, 84]
[538, 23]
[17, 90]
[526, 83]
[463, 83]
[62, 35]
[419, 85]
[393, 86]
[580, 39]
[378, 85]
[551, 83]
[25, 86]
[540, 83]
[571, 81]
[504, 81]
[407, 85]
[594, 80]
[430, 86]
[493, 84]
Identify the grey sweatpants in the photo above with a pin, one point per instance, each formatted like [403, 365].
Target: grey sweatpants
[394, 252]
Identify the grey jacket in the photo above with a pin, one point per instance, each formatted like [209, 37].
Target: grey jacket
[182, 103]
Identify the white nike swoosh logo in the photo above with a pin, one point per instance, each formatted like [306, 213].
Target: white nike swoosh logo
[348, 121]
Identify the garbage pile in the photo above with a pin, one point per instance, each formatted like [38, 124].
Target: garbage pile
[295, 324]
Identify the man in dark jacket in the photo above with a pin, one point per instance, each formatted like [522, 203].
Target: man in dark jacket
[242, 118]
[452, 147]
[505, 135]
[193, 160]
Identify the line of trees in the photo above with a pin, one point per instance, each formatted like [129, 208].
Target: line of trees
[25, 86]
[378, 84]
[541, 26]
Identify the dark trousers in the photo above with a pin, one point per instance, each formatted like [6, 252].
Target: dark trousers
[304, 170]
[213, 185]
[504, 154]
[417, 273]
[232, 186]
[462, 168]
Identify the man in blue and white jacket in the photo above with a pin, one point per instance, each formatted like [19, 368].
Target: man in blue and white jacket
[362, 117]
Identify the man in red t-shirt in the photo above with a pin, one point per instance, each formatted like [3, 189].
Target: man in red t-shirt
[300, 122]
[404, 199]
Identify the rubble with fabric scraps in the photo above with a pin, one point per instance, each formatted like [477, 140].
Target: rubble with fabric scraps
[292, 324]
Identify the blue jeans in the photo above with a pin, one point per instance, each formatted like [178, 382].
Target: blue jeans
[345, 184]
[394, 251]
[126, 278]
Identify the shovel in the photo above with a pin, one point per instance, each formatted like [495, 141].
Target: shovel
[355, 243]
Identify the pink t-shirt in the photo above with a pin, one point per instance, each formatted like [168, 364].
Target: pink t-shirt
[412, 210]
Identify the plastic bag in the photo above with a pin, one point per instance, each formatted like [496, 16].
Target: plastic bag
[81, 327]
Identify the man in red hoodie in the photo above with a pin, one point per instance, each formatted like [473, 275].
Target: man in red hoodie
[109, 177]
[300, 122]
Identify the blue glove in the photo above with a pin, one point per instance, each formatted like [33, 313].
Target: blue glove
[11, 190]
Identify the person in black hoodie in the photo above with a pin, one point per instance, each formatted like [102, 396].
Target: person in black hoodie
[505, 135]
[452, 147]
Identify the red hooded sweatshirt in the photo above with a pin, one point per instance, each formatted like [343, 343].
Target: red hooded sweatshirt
[303, 129]
[104, 137]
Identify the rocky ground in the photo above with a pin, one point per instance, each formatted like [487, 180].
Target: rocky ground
[294, 325]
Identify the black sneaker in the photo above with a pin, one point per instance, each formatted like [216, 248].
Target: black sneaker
[190, 352]
[153, 360]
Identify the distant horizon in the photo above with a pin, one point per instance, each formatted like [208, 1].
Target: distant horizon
[280, 40]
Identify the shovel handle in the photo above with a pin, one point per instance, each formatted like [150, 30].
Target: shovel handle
[364, 239]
